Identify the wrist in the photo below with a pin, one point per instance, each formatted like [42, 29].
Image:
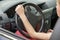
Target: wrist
[22, 16]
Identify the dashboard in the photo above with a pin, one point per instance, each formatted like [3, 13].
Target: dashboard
[8, 7]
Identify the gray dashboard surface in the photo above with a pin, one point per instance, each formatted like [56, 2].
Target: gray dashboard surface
[6, 4]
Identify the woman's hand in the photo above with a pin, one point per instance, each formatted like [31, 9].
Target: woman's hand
[50, 30]
[19, 10]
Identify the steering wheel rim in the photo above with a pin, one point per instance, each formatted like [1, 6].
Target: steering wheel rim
[39, 10]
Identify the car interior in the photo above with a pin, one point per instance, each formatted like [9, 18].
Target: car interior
[41, 14]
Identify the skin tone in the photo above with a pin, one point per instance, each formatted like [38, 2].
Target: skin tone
[58, 9]
[43, 36]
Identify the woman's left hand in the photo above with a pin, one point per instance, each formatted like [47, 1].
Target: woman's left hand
[19, 10]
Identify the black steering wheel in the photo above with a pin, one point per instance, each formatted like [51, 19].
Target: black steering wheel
[35, 17]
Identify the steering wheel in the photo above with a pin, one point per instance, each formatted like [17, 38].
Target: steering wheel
[35, 17]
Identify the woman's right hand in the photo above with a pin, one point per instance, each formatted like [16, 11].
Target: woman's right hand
[50, 30]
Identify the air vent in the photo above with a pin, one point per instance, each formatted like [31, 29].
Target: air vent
[1, 18]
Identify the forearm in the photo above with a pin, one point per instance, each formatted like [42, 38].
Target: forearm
[27, 25]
